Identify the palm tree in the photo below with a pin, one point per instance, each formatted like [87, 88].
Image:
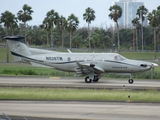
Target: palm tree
[63, 26]
[45, 25]
[76, 40]
[72, 26]
[135, 23]
[14, 25]
[107, 41]
[89, 16]
[95, 38]
[154, 21]
[142, 12]
[24, 15]
[8, 19]
[116, 13]
[53, 18]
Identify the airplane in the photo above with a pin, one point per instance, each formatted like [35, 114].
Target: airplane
[91, 65]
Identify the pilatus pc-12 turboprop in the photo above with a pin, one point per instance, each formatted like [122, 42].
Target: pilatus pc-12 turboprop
[91, 65]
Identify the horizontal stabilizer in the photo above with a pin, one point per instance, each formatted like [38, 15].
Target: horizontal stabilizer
[14, 38]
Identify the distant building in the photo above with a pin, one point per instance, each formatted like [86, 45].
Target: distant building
[129, 10]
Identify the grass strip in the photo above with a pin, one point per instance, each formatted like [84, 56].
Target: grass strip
[9, 93]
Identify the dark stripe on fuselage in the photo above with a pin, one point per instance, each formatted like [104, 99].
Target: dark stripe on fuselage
[15, 54]
[39, 61]
[18, 55]
[121, 63]
[42, 62]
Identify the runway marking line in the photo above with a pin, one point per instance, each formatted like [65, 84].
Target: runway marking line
[54, 77]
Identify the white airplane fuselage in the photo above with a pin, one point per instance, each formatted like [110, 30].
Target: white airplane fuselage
[106, 61]
[90, 64]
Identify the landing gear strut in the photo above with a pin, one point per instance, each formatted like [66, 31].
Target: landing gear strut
[130, 81]
[96, 78]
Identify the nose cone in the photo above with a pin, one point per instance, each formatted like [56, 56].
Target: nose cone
[154, 65]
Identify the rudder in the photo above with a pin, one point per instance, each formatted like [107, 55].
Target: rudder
[17, 47]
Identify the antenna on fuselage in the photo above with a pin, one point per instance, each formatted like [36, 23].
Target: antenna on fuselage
[69, 51]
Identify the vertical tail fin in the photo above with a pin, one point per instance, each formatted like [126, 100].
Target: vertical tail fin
[17, 47]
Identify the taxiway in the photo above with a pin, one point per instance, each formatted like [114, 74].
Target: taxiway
[77, 83]
[81, 110]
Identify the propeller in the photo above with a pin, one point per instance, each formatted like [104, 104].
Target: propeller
[151, 66]
[152, 69]
[154, 65]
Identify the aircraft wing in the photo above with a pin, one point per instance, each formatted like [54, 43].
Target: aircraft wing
[90, 67]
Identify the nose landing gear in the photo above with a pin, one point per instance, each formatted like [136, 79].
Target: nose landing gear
[130, 81]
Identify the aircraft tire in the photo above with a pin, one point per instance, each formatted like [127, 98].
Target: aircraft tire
[130, 81]
[87, 80]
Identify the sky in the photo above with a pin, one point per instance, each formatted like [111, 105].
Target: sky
[67, 7]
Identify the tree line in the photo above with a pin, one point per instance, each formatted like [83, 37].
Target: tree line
[58, 31]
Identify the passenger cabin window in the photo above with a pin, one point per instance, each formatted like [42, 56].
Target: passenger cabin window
[69, 59]
[93, 58]
[77, 59]
[119, 58]
[85, 59]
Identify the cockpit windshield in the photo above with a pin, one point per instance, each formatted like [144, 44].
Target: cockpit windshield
[119, 58]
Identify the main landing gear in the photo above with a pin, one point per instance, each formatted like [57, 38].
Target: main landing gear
[130, 81]
[88, 80]
[96, 78]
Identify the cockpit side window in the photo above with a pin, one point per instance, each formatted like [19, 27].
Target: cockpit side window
[119, 58]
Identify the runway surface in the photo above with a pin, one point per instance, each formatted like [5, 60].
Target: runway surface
[81, 110]
[78, 83]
